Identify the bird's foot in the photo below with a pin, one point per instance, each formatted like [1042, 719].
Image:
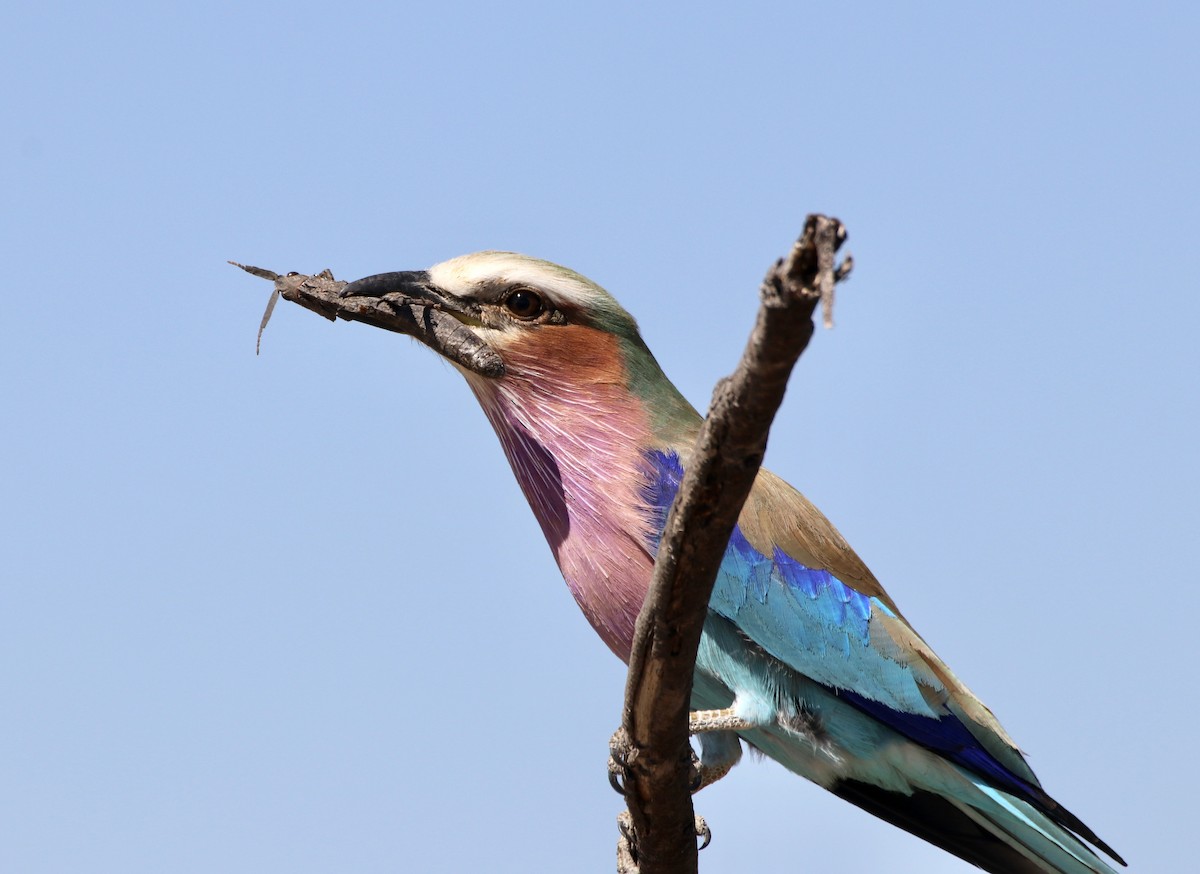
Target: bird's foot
[706, 774]
[620, 753]
[627, 859]
[627, 854]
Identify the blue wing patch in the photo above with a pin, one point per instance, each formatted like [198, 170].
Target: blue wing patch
[813, 622]
[801, 615]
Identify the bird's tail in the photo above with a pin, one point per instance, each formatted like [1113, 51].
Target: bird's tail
[962, 813]
[1029, 831]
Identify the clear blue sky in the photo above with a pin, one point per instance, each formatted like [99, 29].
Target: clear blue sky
[290, 613]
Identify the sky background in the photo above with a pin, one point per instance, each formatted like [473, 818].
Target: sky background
[291, 613]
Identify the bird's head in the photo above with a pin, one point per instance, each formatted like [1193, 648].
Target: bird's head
[555, 332]
[576, 399]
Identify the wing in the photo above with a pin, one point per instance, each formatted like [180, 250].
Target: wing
[793, 586]
[821, 611]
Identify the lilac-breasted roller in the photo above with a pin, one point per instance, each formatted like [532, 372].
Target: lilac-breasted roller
[804, 656]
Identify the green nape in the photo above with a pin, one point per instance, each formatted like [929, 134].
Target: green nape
[673, 421]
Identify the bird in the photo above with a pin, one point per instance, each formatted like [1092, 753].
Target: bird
[804, 656]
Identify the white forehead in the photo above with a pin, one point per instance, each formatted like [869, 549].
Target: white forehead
[468, 273]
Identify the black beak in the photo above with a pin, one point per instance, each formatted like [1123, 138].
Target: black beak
[413, 285]
[400, 282]
[432, 316]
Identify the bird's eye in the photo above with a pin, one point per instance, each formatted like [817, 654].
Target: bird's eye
[524, 303]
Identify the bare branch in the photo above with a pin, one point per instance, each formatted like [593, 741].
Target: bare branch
[717, 480]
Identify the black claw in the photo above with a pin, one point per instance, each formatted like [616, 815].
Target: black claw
[615, 781]
[618, 761]
[703, 831]
[697, 776]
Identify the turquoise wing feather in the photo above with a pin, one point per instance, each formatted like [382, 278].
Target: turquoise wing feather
[794, 590]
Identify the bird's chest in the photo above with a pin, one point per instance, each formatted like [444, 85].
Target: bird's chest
[598, 531]
[579, 460]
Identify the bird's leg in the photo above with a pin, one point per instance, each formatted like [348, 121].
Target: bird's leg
[720, 749]
[700, 721]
